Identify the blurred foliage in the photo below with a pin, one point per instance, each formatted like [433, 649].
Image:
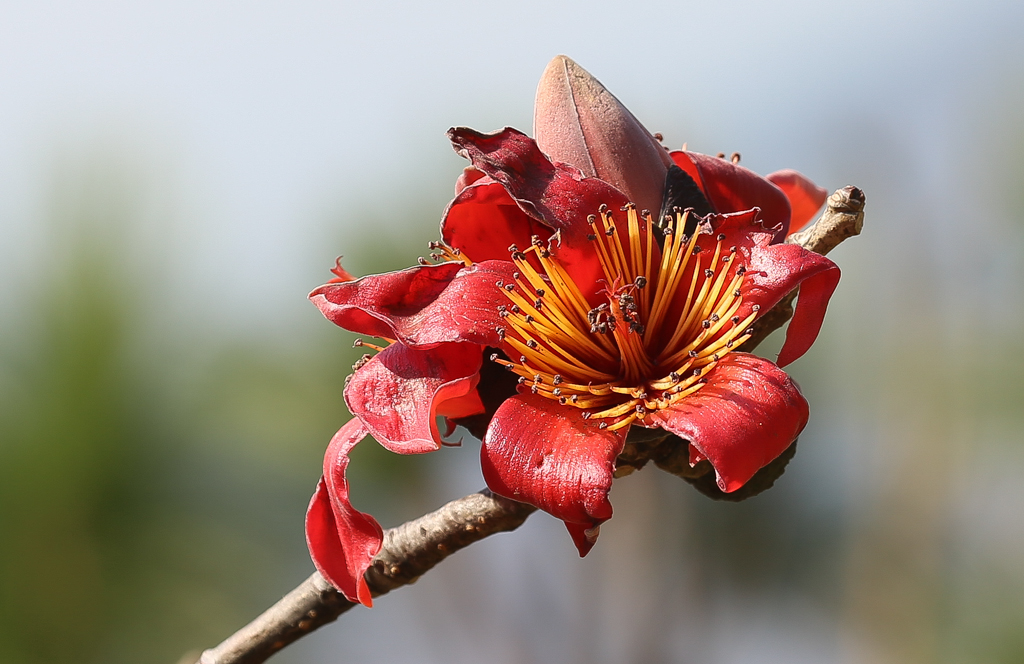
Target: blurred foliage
[151, 502]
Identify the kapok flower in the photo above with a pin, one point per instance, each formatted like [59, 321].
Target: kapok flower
[607, 316]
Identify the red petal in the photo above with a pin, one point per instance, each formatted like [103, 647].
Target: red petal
[773, 270]
[805, 197]
[555, 194]
[400, 392]
[749, 412]
[483, 221]
[421, 306]
[539, 452]
[342, 540]
[730, 187]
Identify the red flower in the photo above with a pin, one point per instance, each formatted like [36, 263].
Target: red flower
[608, 318]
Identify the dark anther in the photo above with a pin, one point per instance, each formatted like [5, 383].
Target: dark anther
[658, 137]
[531, 344]
[421, 260]
[640, 281]
[714, 318]
[562, 400]
[585, 415]
[361, 362]
[536, 241]
[515, 309]
[557, 391]
[591, 219]
[602, 425]
[522, 359]
[591, 236]
[735, 158]
[509, 367]
[574, 398]
[494, 356]
[735, 320]
[602, 208]
[637, 327]
[756, 307]
[732, 249]
[537, 379]
[515, 275]
[741, 270]
[544, 253]
[540, 292]
[513, 248]
[709, 273]
[645, 213]
[725, 259]
[736, 293]
[357, 343]
[529, 318]
[697, 371]
[728, 344]
[433, 245]
[705, 324]
[749, 330]
[535, 389]
[721, 237]
[522, 380]
[696, 250]
[500, 283]
[693, 353]
[510, 287]
[610, 232]
[674, 376]
[537, 304]
[556, 379]
[518, 256]
[721, 155]
[667, 231]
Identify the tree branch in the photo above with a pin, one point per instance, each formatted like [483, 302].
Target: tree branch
[408, 552]
[413, 548]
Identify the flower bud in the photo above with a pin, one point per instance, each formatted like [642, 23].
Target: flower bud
[578, 121]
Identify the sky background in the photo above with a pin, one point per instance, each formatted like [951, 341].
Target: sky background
[175, 177]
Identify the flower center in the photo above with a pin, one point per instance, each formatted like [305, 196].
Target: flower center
[661, 327]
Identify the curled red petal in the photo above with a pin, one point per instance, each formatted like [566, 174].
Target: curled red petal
[421, 306]
[730, 188]
[555, 194]
[805, 197]
[342, 541]
[483, 221]
[401, 391]
[747, 414]
[773, 270]
[539, 452]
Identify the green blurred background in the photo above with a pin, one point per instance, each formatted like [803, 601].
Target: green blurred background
[175, 177]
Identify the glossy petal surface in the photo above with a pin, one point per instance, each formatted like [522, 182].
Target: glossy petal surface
[342, 540]
[749, 412]
[541, 453]
[483, 221]
[421, 306]
[401, 391]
